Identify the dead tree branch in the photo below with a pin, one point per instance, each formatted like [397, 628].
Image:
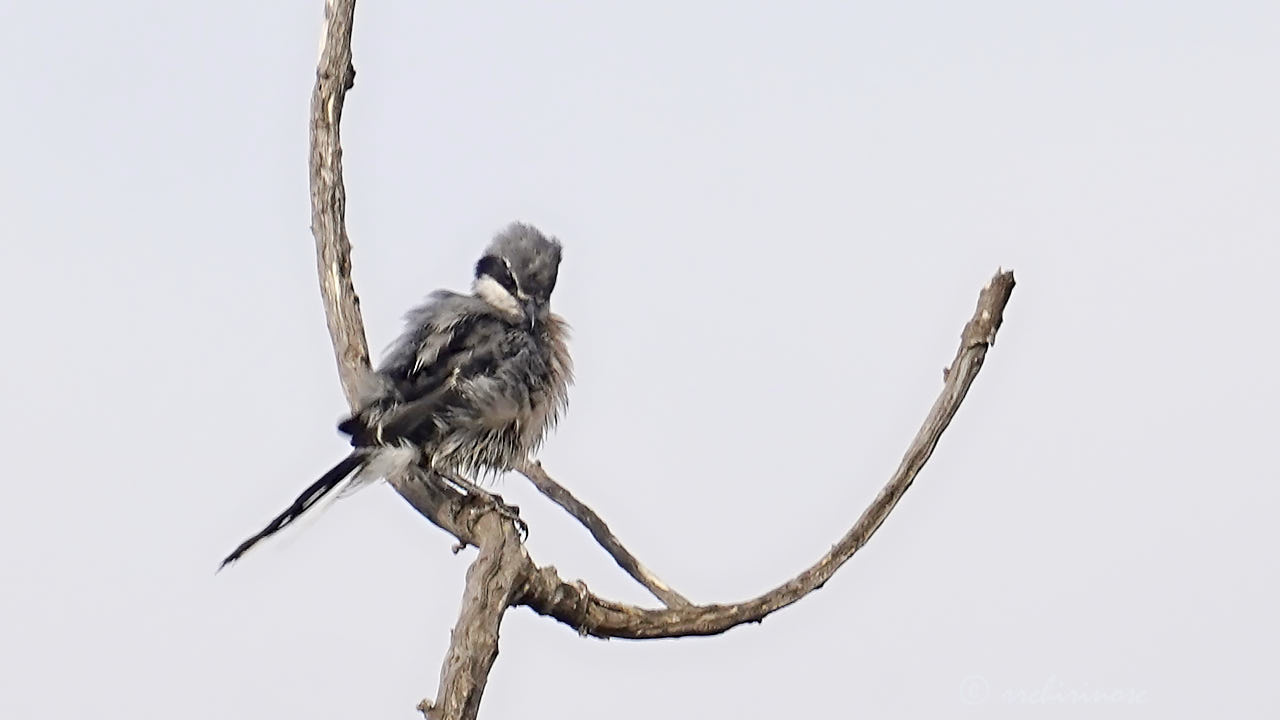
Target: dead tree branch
[492, 580]
[503, 574]
[549, 595]
[335, 75]
[603, 535]
[501, 564]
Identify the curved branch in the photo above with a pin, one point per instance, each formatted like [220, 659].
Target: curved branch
[502, 564]
[504, 574]
[570, 603]
[335, 75]
[603, 535]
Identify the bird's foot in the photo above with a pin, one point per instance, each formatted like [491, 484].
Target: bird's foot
[494, 500]
[510, 512]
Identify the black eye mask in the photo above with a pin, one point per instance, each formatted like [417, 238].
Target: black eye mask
[494, 267]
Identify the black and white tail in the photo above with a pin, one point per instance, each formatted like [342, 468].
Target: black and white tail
[309, 497]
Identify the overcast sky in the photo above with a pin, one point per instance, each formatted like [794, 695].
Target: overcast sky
[776, 220]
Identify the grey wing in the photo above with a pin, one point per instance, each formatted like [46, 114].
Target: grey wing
[447, 341]
[428, 329]
[417, 384]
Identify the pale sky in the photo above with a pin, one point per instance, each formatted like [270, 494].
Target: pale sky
[776, 220]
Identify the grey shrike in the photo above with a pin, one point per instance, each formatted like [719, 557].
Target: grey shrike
[470, 387]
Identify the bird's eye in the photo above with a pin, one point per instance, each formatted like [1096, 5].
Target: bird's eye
[496, 268]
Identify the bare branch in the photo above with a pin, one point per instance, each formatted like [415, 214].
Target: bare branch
[503, 574]
[335, 75]
[502, 564]
[570, 603]
[492, 580]
[603, 535]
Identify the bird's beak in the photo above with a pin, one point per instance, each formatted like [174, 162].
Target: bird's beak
[531, 312]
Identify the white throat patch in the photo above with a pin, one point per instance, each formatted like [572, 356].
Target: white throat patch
[488, 289]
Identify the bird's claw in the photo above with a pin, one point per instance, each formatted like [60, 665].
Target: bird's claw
[512, 513]
[500, 506]
[493, 500]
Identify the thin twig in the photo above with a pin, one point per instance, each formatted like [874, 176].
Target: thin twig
[586, 612]
[603, 535]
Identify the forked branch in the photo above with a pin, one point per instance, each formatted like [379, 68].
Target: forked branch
[546, 593]
[503, 574]
[600, 531]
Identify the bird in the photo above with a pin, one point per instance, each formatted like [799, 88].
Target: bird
[471, 386]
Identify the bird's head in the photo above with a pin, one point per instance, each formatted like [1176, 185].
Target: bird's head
[518, 272]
